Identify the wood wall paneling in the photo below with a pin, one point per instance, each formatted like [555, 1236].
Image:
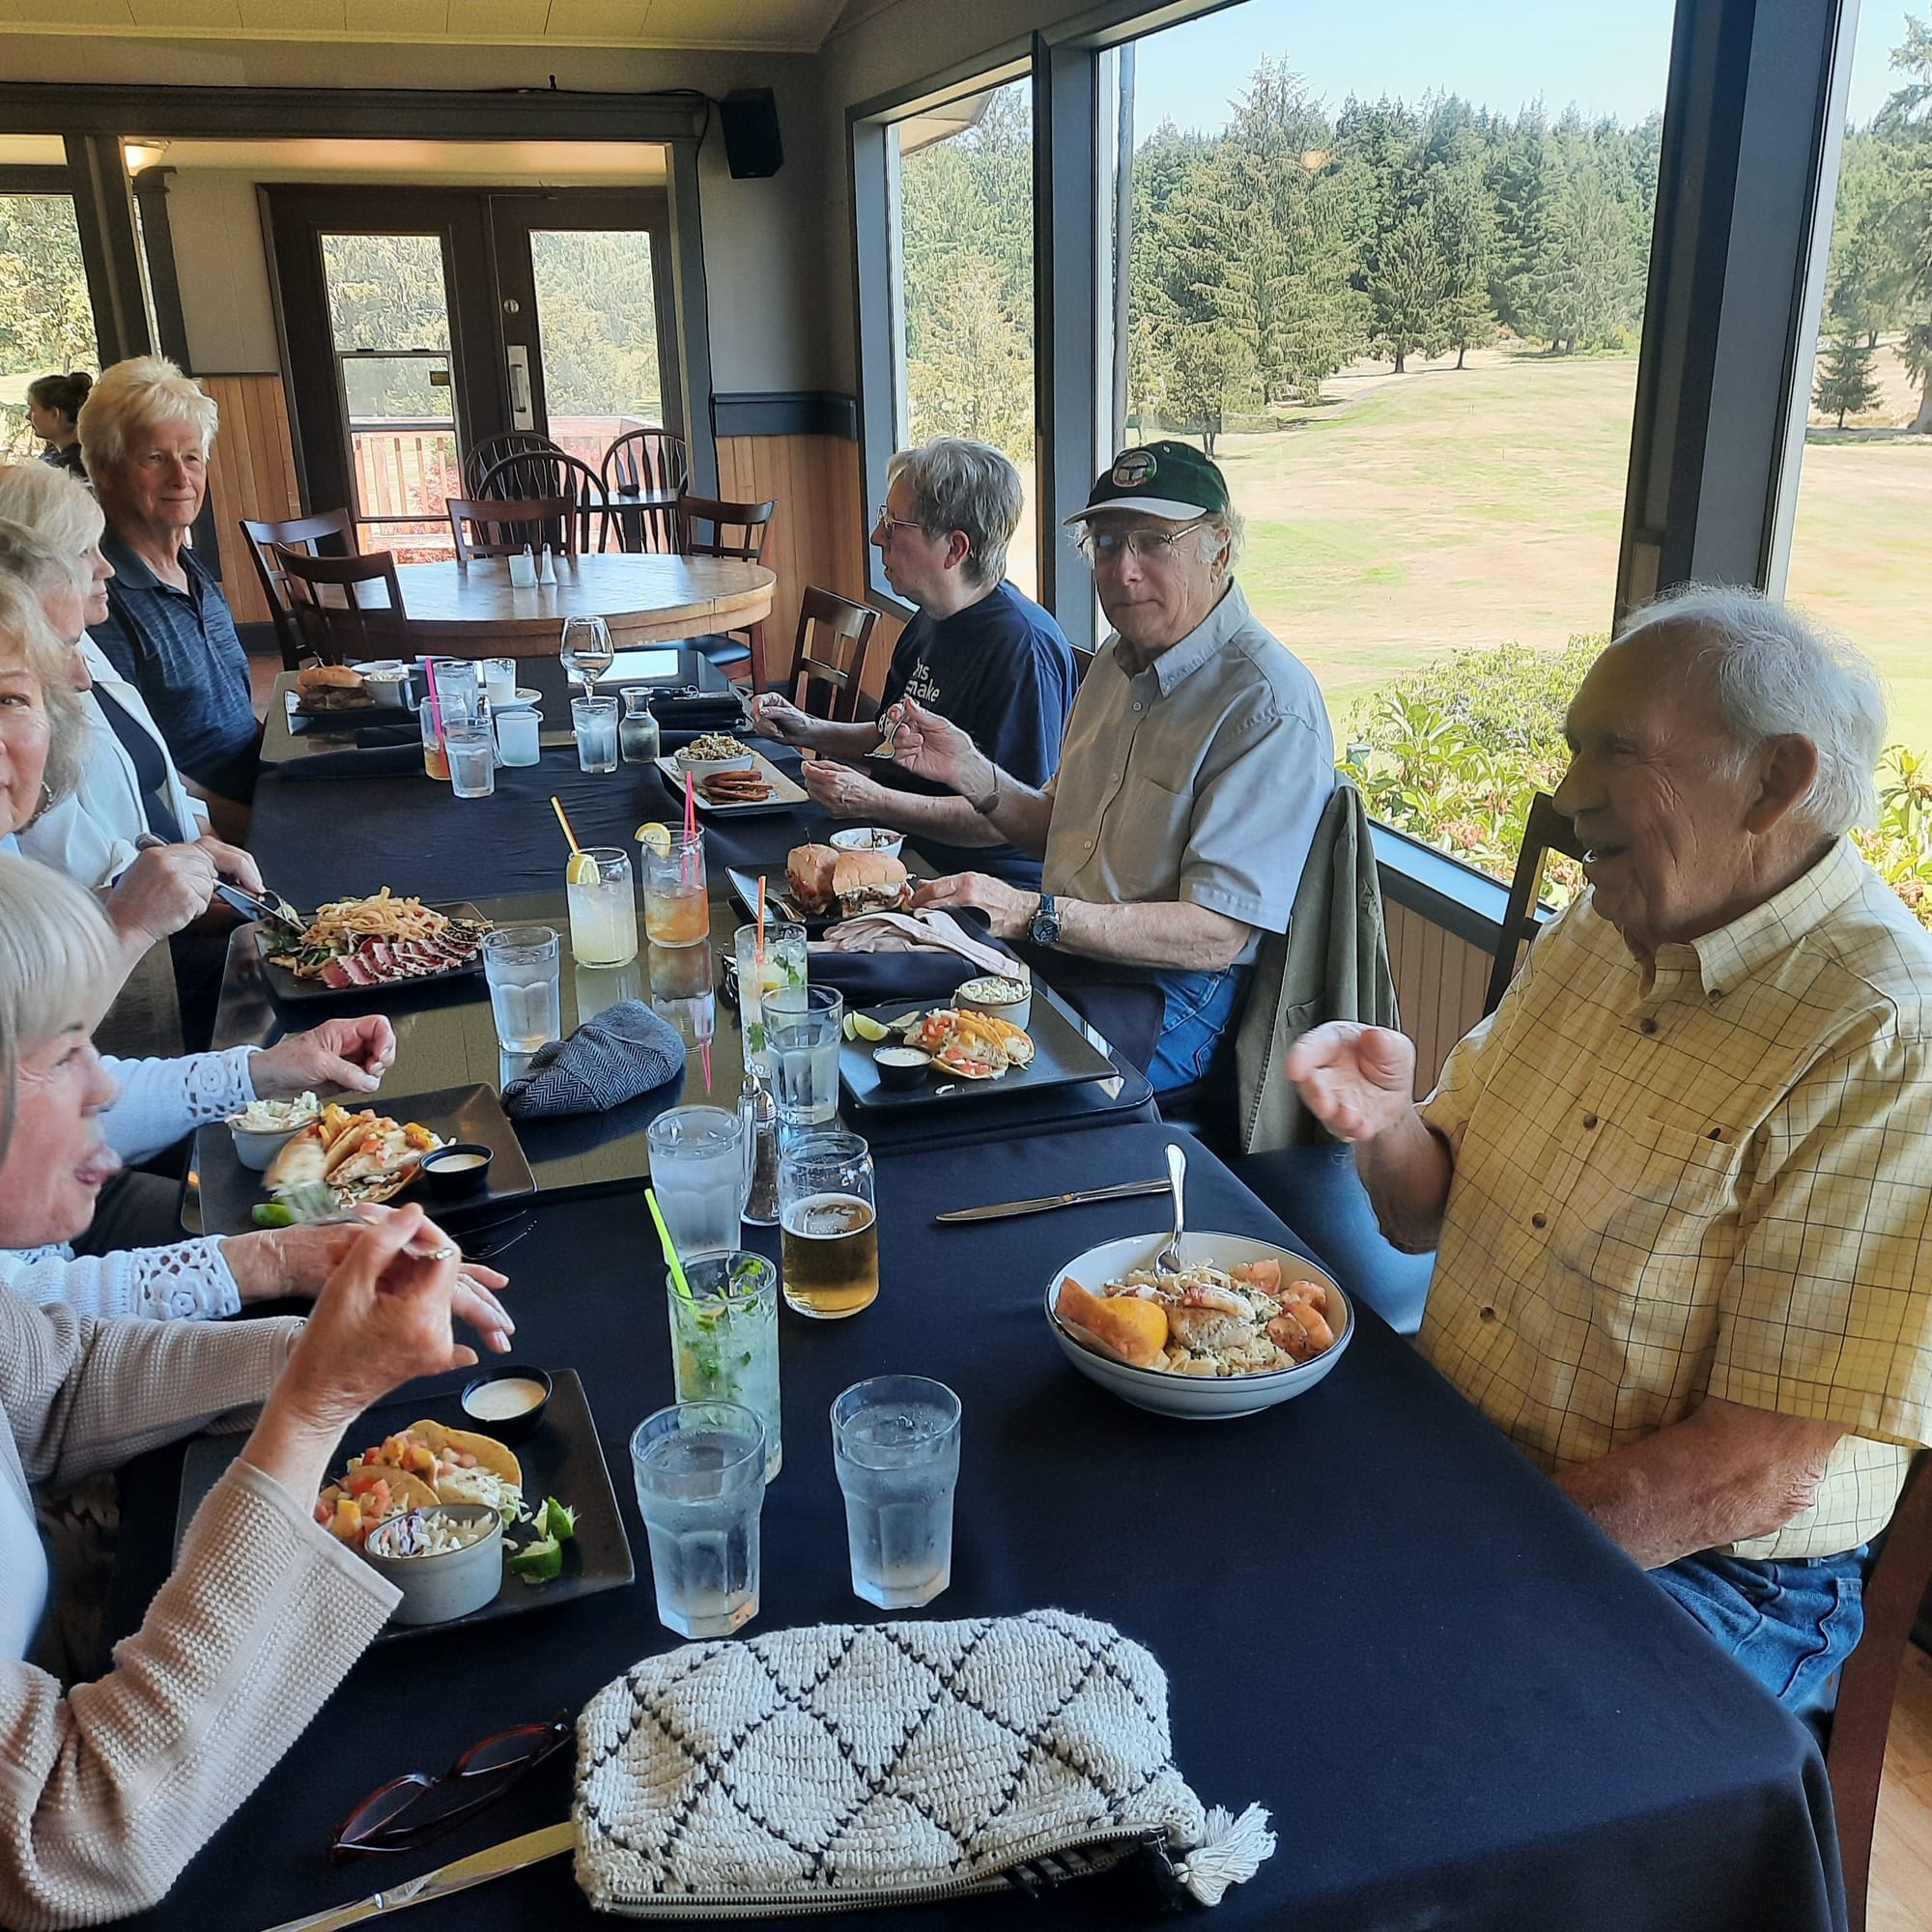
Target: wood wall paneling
[818, 525]
[251, 473]
[1439, 984]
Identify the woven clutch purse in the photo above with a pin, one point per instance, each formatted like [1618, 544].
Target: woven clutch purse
[889, 1764]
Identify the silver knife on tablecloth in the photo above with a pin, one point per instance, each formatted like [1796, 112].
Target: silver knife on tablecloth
[1001, 1210]
[478, 1868]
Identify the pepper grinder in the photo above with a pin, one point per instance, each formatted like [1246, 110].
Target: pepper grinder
[759, 1113]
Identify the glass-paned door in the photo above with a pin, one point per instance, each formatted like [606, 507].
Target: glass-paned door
[388, 322]
[47, 322]
[585, 278]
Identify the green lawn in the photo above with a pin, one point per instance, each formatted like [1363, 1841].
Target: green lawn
[1451, 508]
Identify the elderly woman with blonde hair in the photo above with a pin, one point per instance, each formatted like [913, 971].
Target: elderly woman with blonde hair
[112, 1787]
[146, 430]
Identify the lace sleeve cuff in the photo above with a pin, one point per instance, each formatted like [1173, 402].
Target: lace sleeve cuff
[186, 1281]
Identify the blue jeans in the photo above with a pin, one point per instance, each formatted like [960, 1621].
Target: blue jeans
[1199, 1007]
[1790, 1623]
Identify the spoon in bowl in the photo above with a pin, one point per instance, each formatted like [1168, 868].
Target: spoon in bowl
[1168, 1260]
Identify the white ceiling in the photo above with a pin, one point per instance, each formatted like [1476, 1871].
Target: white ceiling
[782, 26]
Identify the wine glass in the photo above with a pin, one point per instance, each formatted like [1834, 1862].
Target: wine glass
[585, 650]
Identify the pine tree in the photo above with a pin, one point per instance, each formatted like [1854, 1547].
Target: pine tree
[1846, 385]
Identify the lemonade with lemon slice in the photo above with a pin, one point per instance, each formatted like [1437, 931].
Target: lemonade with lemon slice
[603, 906]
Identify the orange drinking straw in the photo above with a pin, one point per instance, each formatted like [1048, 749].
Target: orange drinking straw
[760, 954]
[563, 819]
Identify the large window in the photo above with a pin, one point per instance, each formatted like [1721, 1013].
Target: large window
[1862, 537]
[1394, 284]
[964, 272]
[46, 323]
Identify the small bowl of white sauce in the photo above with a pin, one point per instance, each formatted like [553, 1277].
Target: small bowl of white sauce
[508, 1402]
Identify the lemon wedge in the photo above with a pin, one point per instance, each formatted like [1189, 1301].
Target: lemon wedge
[845, 1026]
[864, 1027]
[657, 836]
[582, 869]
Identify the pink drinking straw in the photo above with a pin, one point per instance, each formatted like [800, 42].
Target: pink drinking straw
[435, 704]
[686, 867]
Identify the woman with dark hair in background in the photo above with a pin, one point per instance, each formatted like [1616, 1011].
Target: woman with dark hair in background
[53, 402]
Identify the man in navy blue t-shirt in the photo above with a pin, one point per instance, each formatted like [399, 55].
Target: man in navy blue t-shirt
[980, 652]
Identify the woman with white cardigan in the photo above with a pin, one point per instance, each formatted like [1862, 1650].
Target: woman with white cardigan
[111, 1788]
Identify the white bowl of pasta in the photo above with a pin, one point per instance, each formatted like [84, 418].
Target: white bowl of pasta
[1241, 1325]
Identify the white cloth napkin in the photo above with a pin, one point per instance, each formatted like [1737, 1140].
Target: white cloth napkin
[921, 931]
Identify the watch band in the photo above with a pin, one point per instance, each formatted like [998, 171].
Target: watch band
[1043, 928]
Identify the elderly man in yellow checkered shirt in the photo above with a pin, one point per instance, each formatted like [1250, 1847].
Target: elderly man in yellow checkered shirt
[1678, 1183]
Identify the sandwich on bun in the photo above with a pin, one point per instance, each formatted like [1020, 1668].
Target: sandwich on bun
[865, 882]
[808, 875]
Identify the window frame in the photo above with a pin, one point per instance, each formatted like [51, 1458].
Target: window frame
[1753, 123]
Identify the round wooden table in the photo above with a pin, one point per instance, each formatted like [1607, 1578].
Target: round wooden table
[474, 609]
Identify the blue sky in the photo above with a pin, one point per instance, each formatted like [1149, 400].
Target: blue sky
[1609, 58]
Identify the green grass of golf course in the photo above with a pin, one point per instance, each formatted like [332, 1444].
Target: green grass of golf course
[1446, 508]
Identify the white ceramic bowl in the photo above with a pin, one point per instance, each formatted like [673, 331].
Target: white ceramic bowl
[1195, 1398]
[1016, 1012]
[869, 838]
[436, 1588]
[256, 1149]
[699, 768]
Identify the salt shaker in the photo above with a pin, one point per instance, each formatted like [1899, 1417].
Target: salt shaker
[546, 568]
[759, 1113]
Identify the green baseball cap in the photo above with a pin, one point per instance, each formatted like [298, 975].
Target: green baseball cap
[1159, 479]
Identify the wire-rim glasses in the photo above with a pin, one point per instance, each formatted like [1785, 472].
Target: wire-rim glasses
[1149, 545]
[383, 1822]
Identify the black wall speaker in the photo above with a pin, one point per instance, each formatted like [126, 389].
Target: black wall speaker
[750, 120]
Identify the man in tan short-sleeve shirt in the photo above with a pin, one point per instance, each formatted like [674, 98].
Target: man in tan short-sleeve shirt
[1194, 772]
[1679, 1184]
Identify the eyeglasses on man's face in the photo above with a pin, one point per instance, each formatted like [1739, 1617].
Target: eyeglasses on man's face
[1148, 543]
[884, 519]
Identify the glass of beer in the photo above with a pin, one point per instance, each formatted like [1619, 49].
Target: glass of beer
[830, 1246]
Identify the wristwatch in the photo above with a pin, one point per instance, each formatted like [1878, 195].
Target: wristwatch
[1043, 929]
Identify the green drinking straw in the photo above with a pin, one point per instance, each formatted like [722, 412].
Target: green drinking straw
[671, 1261]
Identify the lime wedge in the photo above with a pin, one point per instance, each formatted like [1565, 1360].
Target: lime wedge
[657, 836]
[864, 1027]
[538, 1563]
[582, 869]
[560, 1519]
[845, 1026]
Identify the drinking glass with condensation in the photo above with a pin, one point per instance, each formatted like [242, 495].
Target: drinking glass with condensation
[829, 1239]
[699, 1173]
[699, 1468]
[895, 1447]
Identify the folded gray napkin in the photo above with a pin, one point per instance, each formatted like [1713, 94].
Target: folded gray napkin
[625, 1051]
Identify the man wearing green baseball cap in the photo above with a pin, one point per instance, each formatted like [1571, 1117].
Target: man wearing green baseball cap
[1196, 767]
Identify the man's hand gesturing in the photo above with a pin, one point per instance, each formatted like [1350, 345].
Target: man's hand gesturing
[1358, 1081]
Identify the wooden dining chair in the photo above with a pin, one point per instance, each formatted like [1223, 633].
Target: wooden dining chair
[482, 457]
[712, 526]
[503, 525]
[553, 475]
[326, 534]
[1545, 830]
[1895, 1585]
[833, 655]
[645, 472]
[331, 601]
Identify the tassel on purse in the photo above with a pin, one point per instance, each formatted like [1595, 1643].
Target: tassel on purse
[845, 1765]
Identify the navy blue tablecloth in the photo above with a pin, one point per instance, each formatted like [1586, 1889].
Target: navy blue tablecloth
[1463, 1705]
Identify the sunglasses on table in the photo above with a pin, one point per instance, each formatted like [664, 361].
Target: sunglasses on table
[410, 1810]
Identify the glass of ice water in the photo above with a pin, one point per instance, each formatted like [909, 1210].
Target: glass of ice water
[725, 1339]
[895, 1445]
[470, 750]
[700, 1473]
[700, 1175]
[803, 1029]
[520, 963]
[595, 722]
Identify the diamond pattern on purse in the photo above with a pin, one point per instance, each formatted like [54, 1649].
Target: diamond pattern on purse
[889, 1763]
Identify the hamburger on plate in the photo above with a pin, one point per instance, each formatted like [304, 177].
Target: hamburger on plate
[824, 881]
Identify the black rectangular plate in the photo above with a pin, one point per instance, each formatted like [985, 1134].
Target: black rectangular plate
[564, 1459]
[288, 991]
[230, 1193]
[744, 883]
[1063, 1057]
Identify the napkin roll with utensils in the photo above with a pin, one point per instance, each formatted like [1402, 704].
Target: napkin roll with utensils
[907, 956]
[625, 1051]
